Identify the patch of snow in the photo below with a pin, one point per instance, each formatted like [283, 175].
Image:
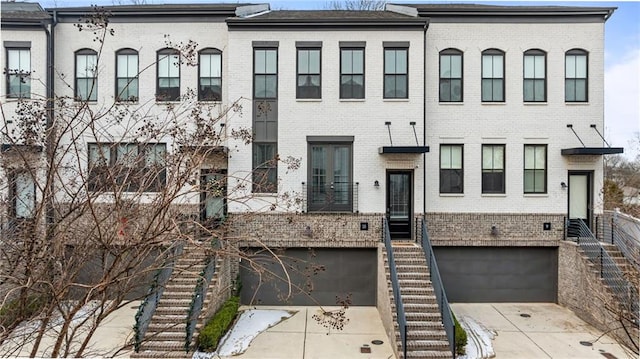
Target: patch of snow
[250, 323]
[479, 339]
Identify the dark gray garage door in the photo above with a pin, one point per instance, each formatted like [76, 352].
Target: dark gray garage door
[499, 274]
[319, 276]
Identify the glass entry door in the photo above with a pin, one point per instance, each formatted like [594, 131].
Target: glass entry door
[399, 203]
[213, 193]
[579, 201]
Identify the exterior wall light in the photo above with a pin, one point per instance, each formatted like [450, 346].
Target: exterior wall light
[563, 185]
[376, 184]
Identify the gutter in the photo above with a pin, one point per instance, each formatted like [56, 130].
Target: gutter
[424, 116]
[50, 113]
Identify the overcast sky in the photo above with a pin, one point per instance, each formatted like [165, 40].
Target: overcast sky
[622, 56]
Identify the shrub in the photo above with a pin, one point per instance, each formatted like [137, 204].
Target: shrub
[461, 337]
[217, 326]
[13, 312]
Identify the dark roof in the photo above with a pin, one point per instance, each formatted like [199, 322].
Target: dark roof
[22, 12]
[326, 18]
[478, 9]
[224, 9]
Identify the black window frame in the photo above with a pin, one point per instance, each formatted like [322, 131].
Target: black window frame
[127, 80]
[344, 75]
[167, 93]
[444, 80]
[493, 178]
[208, 92]
[23, 76]
[493, 53]
[396, 75]
[300, 92]
[535, 169]
[576, 53]
[534, 81]
[93, 90]
[329, 204]
[448, 175]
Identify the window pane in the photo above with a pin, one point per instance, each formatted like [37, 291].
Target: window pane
[456, 90]
[260, 61]
[81, 66]
[487, 157]
[314, 61]
[570, 90]
[529, 181]
[14, 60]
[205, 65]
[498, 86]
[390, 86]
[216, 65]
[445, 66]
[487, 93]
[498, 157]
[539, 67]
[529, 67]
[487, 66]
[581, 90]
[456, 66]
[25, 197]
[303, 61]
[541, 157]
[389, 61]
[570, 66]
[163, 66]
[539, 181]
[347, 60]
[358, 62]
[445, 157]
[445, 90]
[581, 66]
[529, 157]
[456, 157]
[271, 64]
[174, 66]
[528, 90]
[498, 66]
[539, 90]
[401, 86]
[132, 65]
[401, 61]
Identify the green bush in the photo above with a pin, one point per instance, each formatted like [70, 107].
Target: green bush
[217, 326]
[15, 311]
[461, 337]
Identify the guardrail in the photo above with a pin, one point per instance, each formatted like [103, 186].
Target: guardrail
[197, 300]
[623, 231]
[401, 317]
[333, 197]
[438, 288]
[150, 302]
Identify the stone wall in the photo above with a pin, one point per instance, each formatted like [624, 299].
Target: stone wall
[341, 230]
[581, 290]
[511, 229]
[384, 299]
[220, 288]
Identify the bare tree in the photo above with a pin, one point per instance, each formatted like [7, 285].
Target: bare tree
[357, 5]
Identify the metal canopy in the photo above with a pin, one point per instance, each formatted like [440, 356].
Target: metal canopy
[591, 151]
[403, 149]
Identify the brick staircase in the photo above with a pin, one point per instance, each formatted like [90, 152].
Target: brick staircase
[426, 337]
[618, 257]
[166, 334]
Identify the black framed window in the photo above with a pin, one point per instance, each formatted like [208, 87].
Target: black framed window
[18, 72]
[451, 75]
[127, 167]
[127, 75]
[210, 75]
[493, 75]
[309, 77]
[396, 73]
[535, 76]
[330, 177]
[576, 76]
[22, 194]
[86, 75]
[493, 169]
[265, 143]
[351, 73]
[451, 169]
[168, 66]
[535, 168]
[265, 73]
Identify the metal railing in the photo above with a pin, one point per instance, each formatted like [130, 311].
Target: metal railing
[609, 271]
[623, 231]
[438, 288]
[401, 317]
[150, 302]
[197, 300]
[333, 197]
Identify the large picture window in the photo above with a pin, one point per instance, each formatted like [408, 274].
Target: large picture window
[493, 167]
[127, 75]
[86, 75]
[396, 73]
[309, 75]
[210, 75]
[492, 76]
[451, 75]
[451, 169]
[18, 72]
[352, 73]
[535, 169]
[535, 76]
[168, 86]
[576, 76]
[330, 185]
[265, 120]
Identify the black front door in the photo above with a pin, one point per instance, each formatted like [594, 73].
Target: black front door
[213, 193]
[399, 200]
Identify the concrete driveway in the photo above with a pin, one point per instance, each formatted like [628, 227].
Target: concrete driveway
[540, 330]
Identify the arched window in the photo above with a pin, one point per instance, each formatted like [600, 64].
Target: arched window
[86, 72]
[493, 75]
[127, 75]
[168, 84]
[576, 78]
[210, 75]
[451, 75]
[535, 76]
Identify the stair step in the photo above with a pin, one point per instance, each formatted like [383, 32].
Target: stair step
[424, 291]
[428, 344]
[171, 311]
[167, 345]
[169, 318]
[413, 283]
[179, 287]
[429, 335]
[177, 295]
[174, 302]
[425, 318]
[420, 299]
[162, 354]
[167, 327]
[412, 268]
[427, 354]
[164, 336]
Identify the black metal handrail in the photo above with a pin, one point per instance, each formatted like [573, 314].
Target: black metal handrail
[623, 231]
[332, 197]
[401, 317]
[438, 288]
[150, 302]
[610, 273]
[197, 300]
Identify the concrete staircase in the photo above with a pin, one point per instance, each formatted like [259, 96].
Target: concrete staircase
[426, 337]
[166, 334]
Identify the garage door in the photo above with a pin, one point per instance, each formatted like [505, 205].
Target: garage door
[499, 274]
[318, 276]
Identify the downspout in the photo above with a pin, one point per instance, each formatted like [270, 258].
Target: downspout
[424, 117]
[50, 112]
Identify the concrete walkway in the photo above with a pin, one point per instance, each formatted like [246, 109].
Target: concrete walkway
[549, 331]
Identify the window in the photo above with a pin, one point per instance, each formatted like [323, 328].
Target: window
[22, 194]
[309, 79]
[492, 76]
[535, 164]
[265, 120]
[210, 77]
[451, 75]
[396, 73]
[86, 75]
[451, 169]
[127, 75]
[535, 76]
[127, 167]
[18, 72]
[168, 75]
[351, 73]
[575, 78]
[493, 168]
[330, 185]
